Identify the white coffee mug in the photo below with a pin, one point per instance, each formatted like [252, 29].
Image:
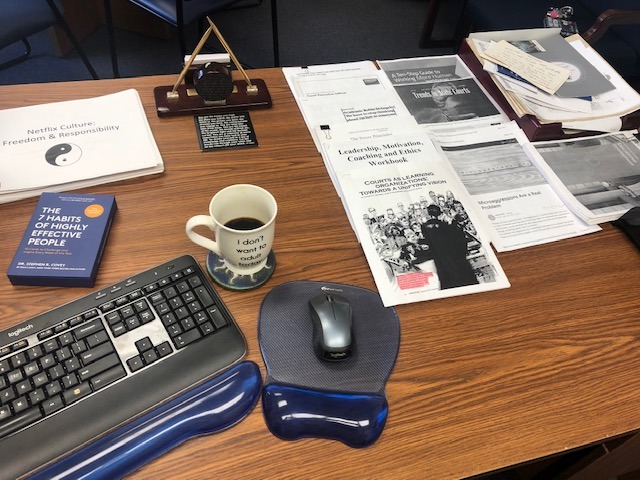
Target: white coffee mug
[242, 218]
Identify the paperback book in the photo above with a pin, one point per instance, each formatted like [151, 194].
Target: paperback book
[64, 241]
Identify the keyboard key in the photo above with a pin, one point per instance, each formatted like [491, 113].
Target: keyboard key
[72, 364]
[216, 315]
[53, 388]
[156, 298]
[96, 353]
[35, 352]
[18, 359]
[97, 339]
[118, 329]
[63, 354]
[87, 329]
[204, 297]
[105, 307]
[40, 379]
[61, 327]
[207, 328]
[24, 387]
[56, 371]
[69, 381]
[141, 305]
[182, 312]
[18, 422]
[134, 295]
[132, 323]
[146, 316]
[188, 297]
[113, 317]
[144, 344]
[164, 349]
[194, 307]
[66, 339]
[103, 379]
[78, 347]
[15, 376]
[77, 320]
[176, 302]
[7, 395]
[186, 338]
[149, 357]
[174, 330]
[4, 366]
[52, 404]
[135, 363]
[5, 413]
[45, 334]
[37, 396]
[77, 392]
[168, 319]
[170, 292]
[31, 369]
[47, 361]
[188, 323]
[122, 301]
[99, 366]
[19, 405]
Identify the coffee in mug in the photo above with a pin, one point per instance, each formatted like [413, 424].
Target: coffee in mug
[242, 219]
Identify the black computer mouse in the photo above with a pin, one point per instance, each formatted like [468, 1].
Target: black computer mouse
[332, 327]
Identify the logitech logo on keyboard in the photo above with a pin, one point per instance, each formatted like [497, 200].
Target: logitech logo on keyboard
[20, 330]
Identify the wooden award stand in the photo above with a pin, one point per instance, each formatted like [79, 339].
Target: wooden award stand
[184, 99]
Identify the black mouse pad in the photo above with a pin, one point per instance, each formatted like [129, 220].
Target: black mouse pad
[305, 394]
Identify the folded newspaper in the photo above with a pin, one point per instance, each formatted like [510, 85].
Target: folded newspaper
[73, 144]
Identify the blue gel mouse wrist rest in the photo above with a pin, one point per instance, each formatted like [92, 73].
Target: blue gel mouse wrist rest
[215, 405]
[306, 396]
[355, 419]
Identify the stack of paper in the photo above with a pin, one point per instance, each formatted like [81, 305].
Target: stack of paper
[417, 226]
[73, 144]
[420, 146]
[555, 79]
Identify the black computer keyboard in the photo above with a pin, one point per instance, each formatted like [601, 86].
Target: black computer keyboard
[80, 370]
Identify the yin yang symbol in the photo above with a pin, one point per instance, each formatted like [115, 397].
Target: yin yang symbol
[63, 154]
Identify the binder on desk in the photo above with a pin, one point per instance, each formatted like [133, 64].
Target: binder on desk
[534, 129]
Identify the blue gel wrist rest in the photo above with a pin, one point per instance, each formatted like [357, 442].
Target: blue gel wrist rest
[215, 405]
[291, 413]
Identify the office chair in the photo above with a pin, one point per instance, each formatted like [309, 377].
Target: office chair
[178, 13]
[23, 18]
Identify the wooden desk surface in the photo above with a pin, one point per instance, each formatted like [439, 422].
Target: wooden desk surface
[482, 381]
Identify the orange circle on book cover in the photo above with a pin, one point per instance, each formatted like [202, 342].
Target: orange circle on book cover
[93, 211]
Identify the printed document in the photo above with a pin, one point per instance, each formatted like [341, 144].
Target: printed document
[598, 177]
[73, 144]
[521, 209]
[328, 95]
[441, 92]
[417, 226]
